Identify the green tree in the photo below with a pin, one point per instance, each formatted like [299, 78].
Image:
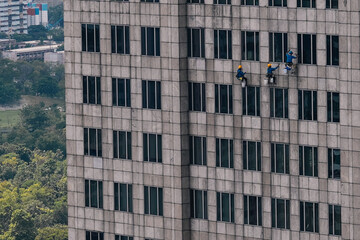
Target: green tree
[21, 226]
[37, 32]
[56, 13]
[57, 232]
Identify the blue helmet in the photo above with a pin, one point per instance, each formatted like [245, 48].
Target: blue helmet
[290, 52]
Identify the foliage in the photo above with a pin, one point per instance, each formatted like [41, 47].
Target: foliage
[57, 34]
[37, 32]
[56, 13]
[3, 35]
[32, 194]
[35, 78]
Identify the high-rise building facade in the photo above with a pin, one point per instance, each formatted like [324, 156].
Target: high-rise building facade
[13, 16]
[163, 143]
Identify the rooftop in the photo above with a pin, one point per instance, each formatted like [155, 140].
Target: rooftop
[35, 49]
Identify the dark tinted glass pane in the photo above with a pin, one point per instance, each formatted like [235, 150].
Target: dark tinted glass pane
[243, 44]
[83, 37]
[143, 41]
[280, 158]
[157, 38]
[123, 197]
[315, 162]
[259, 156]
[153, 201]
[224, 153]
[218, 207]
[308, 158]
[127, 40]
[250, 45]
[145, 147]
[301, 160]
[252, 210]
[203, 94]
[151, 92]
[257, 96]
[92, 91]
[305, 3]
[307, 46]
[300, 102]
[280, 213]
[130, 198]
[150, 41]
[114, 92]
[100, 194]
[223, 99]
[286, 103]
[230, 100]
[313, 47]
[87, 195]
[129, 145]
[120, 39]
[158, 95]
[152, 147]
[160, 190]
[314, 94]
[197, 97]
[223, 44]
[94, 235]
[279, 103]
[273, 213]
[337, 218]
[99, 143]
[93, 193]
[146, 200]
[198, 204]
[216, 44]
[309, 220]
[328, 50]
[302, 228]
[204, 150]
[229, 41]
[113, 40]
[98, 91]
[336, 164]
[287, 214]
[218, 152]
[251, 101]
[122, 145]
[197, 150]
[121, 91]
[90, 38]
[252, 155]
[272, 103]
[196, 42]
[92, 141]
[116, 196]
[97, 38]
[246, 210]
[336, 107]
[245, 158]
[225, 198]
[307, 105]
[85, 90]
[159, 148]
[331, 216]
[287, 170]
[278, 40]
[202, 43]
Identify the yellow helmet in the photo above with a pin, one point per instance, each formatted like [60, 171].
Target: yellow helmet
[269, 65]
[240, 66]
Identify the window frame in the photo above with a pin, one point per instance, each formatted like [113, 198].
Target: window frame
[89, 235]
[275, 213]
[221, 212]
[117, 136]
[86, 90]
[249, 199]
[85, 40]
[303, 161]
[247, 158]
[272, 3]
[273, 47]
[89, 194]
[330, 4]
[145, 41]
[333, 108]
[115, 42]
[122, 237]
[332, 52]
[195, 202]
[191, 41]
[301, 48]
[314, 217]
[218, 44]
[332, 174]
[148, 192]
[274, 101]
[147, 150]
[219, 103]
[220, 2]
[245, 101]
[116, 93]
[202, 95]
[194, 1]
[88, 142]
[245, 49]
[274, 158]
[312, 4]
[333, 220]
[220, 147]
[301, 105]
[146, 98]
[250, 2]
[118, 206]
[203, 152]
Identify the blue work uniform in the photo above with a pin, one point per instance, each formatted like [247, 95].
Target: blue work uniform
[270, 70]
[289, 58]
[240, 73]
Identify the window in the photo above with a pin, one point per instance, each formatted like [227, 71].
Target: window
[225, 207]
[280, 213]
[334, 220]
[197, 97]
[278, 45]
[250, 2]
[94, 235]
[152, 145]
[308, 160]
[250, 46]
[150, 41]
[252, 210]
[279, 158]
[195, 1]
[279, 103]
[93, 194]
[332, 4]
[122, 144]
[121, 92]
[307, 105]
[251, 101]
[117, 237]
[223, 99]
[224, 153]
[123, 197]
[151, 94]
[278, 3]
[150, 1]
[196, 42]
[91, 90]
[332, 50]
[307, 48]
[153, 199]
[333, 105]
[92, 142]
[90, 37]
[222, 1]
[222, 44]
[334, 163]
[120, 39]
[309, 217]
[252, 155]
[306, 3]
[198, 204]
[197, 150]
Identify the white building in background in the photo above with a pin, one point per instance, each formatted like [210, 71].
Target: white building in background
[13, 16]
[37, 14]
[28, 54]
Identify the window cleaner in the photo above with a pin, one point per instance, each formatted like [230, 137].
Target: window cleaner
[240, 75]
[289, 65]
[269, 73]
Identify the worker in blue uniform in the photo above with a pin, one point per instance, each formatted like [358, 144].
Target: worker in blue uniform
[240, 75]
[269, 73]
[289, 60]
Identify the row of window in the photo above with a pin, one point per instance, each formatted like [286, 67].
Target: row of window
[280, 208]
[150, 44]
[333, 4]
[151, 98]
[91, 235]
[152, 152]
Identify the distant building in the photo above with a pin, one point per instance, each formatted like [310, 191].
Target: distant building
[5, 43]
[37, 14]
[54, 57]
[32, 53]
[13, 16]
